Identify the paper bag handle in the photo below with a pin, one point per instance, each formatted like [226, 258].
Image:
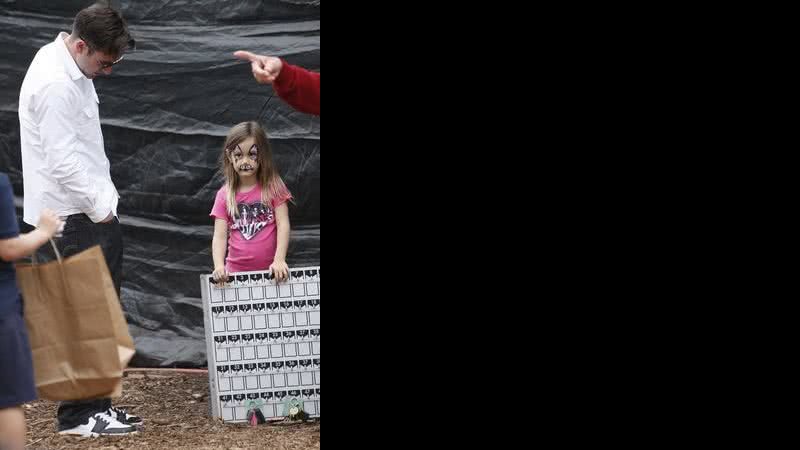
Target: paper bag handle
[60, 269]
[55, 249]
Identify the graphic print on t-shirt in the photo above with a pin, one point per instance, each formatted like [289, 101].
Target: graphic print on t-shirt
[253, 217]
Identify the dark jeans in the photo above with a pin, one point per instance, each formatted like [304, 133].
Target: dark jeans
[80, 233]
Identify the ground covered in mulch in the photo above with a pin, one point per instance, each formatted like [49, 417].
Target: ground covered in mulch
[175, 410]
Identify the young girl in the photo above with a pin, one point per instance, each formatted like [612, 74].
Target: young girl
[250, 211]
[16, 366]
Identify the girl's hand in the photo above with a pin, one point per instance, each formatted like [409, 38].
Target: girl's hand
[280, 270]
[220, 275]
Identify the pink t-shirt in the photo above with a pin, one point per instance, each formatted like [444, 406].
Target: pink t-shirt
[253, 237]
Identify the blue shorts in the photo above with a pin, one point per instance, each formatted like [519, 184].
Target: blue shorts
[16, 366]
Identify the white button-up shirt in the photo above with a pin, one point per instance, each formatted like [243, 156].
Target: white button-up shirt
[64, 164]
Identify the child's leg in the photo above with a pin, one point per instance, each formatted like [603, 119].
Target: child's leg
[12, 428]
[16, 374]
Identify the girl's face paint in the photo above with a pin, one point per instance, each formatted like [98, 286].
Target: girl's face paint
[244, 158]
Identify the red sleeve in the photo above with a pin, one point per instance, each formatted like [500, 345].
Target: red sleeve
[299, 88]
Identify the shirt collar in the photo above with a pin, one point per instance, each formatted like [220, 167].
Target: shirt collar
[69, 63]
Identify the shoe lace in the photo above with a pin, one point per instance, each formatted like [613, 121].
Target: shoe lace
[120, 412]
[100, 418]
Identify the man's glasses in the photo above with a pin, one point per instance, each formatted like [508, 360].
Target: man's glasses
[106, 65]
[103, 64]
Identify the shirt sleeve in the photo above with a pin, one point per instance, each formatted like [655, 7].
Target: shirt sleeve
[299, 87]
[220, 209]
[59, 120]
[283, 198]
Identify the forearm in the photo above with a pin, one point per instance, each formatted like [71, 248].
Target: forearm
[299, 87]
[284, 230]
[22, 246]
[218, 247]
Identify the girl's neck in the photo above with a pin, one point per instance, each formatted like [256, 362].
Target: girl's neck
[247, 184]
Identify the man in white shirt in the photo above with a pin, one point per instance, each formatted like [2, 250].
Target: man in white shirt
[65, 168]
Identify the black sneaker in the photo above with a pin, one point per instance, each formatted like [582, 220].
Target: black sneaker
[122, 416]
[100, 424]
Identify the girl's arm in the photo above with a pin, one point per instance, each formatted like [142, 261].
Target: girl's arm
[279, 267]
[25, 244]
[219, 244]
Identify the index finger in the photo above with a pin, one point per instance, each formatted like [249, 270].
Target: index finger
[244, 55]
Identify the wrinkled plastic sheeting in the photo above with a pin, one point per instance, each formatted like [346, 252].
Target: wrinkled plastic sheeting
[165, 112]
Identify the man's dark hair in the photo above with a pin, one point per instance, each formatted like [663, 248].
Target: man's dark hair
[103, 29]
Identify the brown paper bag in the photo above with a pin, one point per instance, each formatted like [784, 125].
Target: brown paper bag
[78, 334]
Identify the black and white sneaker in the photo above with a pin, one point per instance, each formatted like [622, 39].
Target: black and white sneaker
[100, 424]
[123, 416]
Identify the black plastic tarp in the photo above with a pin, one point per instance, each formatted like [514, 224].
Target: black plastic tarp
[165, 112]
